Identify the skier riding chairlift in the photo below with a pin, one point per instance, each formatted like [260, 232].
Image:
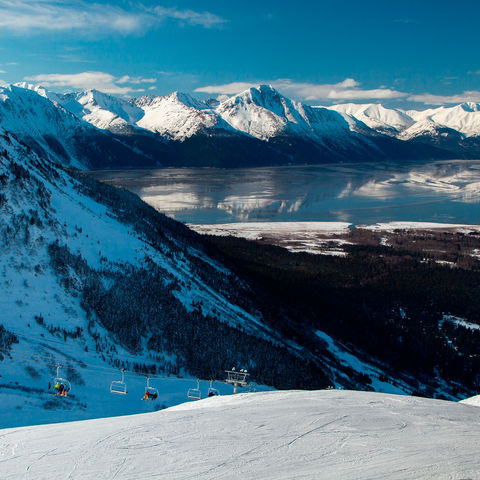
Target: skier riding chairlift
[150, 396]
[212, 392]
[61, 386]
[151, 393]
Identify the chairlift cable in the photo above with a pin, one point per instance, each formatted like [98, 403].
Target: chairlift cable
[90, 367]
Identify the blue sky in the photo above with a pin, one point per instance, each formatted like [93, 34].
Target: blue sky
[400, 53]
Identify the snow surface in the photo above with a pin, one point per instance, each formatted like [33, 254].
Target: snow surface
[315, 237]
[376, 116]
[464, 117]
[262, 112]
[391, 226]
[326, 434]
[33, 115]
[177, 116]
[407, 124]
[475, 401]
[311, 237]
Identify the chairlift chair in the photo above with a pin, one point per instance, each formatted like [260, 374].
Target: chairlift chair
[151, 393]
[61, 386]
[212, 392]
[119, 386]
[195, 393]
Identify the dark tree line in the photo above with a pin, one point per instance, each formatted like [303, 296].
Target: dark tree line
[140, 303]
[386, 302]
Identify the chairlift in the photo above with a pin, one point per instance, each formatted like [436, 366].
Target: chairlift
[119, 386]
[237, 378]
[60, 386]
[151, 393]
[195, 393]
[212, 392]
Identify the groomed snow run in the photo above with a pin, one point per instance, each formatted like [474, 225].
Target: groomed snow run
[475, 401]
[330, 434]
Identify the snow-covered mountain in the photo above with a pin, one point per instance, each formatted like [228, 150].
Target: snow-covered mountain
[37, 118]
[177, 116]
[453, 129]
[275, 435]
[464, 118]
[386, 120]
[104, 111]
[264, 113]
[256, 127]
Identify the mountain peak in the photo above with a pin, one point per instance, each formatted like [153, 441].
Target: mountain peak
[470, 106]
[261, 91]
[186, 100]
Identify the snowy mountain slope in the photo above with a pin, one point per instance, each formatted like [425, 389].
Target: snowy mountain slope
[106, 112]
[36, 117]
[281, 435]
[387, 120]
[94, 279]
[453, 129]
[428, 128]
[464, 118]
[177, 116]
[262, 112]
[304, 132]
[475, 401]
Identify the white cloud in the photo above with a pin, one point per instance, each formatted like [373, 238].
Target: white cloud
[36, 16]
[3, 71]
[358, 94]
[204, 19]
[3, 83]
[431, 99]
[102, 81]
[345, 90]
[135, 80]
[227, 88]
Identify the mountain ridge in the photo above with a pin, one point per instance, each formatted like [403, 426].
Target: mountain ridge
[257, 127]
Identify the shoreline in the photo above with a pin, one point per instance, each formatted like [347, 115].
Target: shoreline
[328, 238]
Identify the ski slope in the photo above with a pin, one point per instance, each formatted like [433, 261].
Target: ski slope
[328, 434]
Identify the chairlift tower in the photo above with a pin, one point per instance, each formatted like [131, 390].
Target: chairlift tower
[237, 378]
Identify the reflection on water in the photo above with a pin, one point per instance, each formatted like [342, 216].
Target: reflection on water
[443, 191]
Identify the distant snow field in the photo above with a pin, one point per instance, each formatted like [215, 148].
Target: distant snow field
[330, 434]
[314, 237]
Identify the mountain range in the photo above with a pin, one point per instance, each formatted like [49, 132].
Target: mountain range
[260, 126]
